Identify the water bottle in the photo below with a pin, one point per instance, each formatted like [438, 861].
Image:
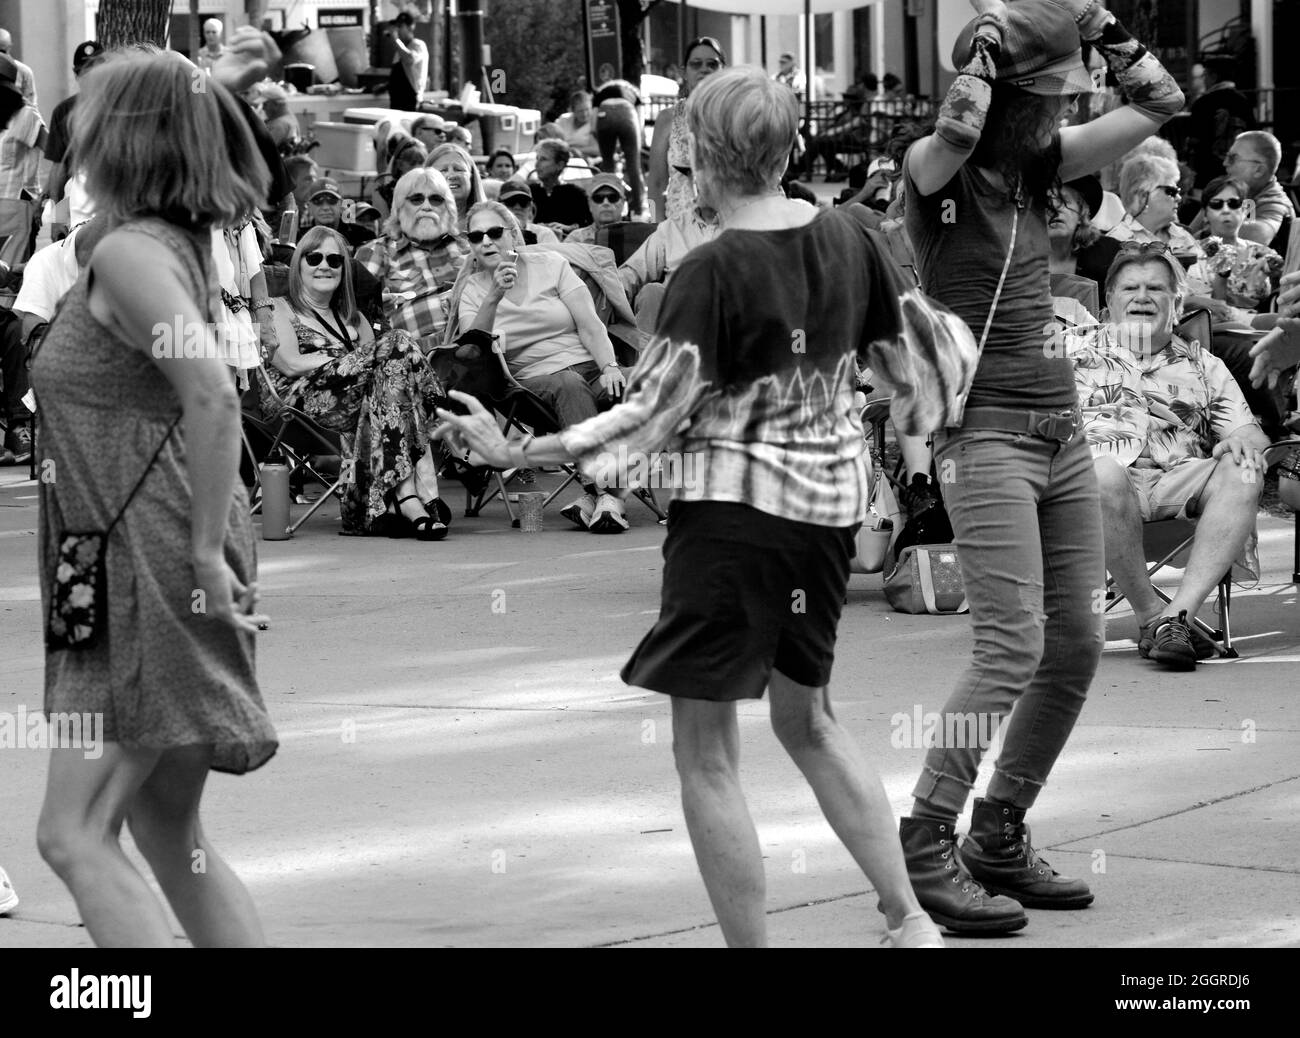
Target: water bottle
[275, 499]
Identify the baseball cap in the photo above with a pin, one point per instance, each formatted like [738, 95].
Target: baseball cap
[514, 188]
[86, 54]
[1040, 49]
[325, 187]
[606, 180]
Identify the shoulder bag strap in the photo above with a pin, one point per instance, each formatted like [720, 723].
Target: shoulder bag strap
[144, 475]
[1002, 280]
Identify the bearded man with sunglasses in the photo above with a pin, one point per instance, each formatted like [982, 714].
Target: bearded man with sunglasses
[418, 256]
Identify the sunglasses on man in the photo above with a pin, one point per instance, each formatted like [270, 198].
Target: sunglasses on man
[606, 197]
[419, 200]
[1218, 203]
[313, 259]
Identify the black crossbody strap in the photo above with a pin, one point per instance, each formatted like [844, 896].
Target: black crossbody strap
[144, 475]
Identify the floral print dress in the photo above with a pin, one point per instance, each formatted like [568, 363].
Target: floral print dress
[379, 398]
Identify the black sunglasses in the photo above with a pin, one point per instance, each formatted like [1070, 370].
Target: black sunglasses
[605, 196]
[1219, 203]
[1172, 192]
[333, 260]
[495, 233]
[433, 200]
[1152, 248]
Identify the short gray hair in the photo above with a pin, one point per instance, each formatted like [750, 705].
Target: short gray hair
[1143, 173]
[1265, 144]
[1126, 258]
[744, 126]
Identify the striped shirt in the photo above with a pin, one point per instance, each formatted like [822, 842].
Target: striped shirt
[749, 376]
[20, 159]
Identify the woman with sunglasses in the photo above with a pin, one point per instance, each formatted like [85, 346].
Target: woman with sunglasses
[378, 393]
[670, 188]
[462, 176]
[1148, 188]
[1240, 272]
[1019, 482]
[554, 341]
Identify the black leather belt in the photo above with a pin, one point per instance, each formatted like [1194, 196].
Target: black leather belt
[1060, 426]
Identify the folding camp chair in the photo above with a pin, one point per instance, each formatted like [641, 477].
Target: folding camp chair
[295, 435]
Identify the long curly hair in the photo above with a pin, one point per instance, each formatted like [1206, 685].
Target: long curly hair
[1011, 143]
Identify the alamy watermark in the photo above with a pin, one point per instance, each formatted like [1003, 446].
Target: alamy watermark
[920, 730]
[636, 470]
[58, 731]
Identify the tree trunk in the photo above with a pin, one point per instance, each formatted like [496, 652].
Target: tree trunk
[631, 13]
[123, 22]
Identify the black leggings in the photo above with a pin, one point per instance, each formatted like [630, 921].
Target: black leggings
[617, 125]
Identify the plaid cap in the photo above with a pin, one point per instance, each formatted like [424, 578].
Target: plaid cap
[86, 54]
[610, 180]
[1040, 49]
[514, 188]
[324, 187]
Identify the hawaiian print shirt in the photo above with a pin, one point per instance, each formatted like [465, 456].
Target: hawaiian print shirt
[1153, 411]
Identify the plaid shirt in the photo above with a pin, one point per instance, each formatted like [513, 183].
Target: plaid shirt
[20, 159]
[406, 268]
[1153, 412]
[749, 377]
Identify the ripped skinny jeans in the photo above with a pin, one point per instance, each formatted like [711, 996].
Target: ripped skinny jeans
[1027, 519]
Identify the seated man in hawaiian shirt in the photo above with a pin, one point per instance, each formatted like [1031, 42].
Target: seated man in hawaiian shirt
[1172, 437]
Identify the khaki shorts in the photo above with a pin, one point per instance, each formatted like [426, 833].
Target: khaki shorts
[1171, 493]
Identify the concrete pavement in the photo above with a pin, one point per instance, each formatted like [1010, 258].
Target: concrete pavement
[461, 766]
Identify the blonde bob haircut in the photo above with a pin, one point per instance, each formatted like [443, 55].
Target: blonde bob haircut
[344, 299]
[156, 136]
[421, 178]
[744, 126]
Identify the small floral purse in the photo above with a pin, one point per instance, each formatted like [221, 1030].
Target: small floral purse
[79, 588]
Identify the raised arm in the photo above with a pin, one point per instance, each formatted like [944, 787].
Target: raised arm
[1152, 94]
[935, 160]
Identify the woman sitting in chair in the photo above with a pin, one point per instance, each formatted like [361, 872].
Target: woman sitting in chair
[553, 341]
[379, 394]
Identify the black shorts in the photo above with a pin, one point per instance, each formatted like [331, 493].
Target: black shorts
[744, 593]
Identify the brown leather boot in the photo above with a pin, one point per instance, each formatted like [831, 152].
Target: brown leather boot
[945, 889]
[999, 855]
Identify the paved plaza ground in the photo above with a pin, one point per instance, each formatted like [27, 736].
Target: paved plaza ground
[454, 774]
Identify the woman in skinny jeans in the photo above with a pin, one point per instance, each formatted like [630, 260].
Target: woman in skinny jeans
[1017, 477]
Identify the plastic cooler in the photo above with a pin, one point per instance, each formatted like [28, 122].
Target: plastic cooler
[503, 126]
[346, 152]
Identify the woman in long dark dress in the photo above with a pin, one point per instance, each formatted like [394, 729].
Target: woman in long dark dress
[170, 676]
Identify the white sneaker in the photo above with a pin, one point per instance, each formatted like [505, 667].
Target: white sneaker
[609, 516]
[8, 896]
[917, 931]
[580, 511]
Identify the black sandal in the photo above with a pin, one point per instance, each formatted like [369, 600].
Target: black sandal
[439, 509]
[426, 527]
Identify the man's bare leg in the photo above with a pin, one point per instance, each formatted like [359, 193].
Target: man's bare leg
[1229, 508]
[1122, 526]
